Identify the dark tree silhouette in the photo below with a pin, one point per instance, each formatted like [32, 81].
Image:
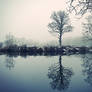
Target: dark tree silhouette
[80, 6]
[60, 76]
[10, 63]
[87, 71]
[60, 24]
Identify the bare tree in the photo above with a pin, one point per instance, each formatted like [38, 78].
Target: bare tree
[87, 28]
[10, 40]
[60, 24]
[80, 6]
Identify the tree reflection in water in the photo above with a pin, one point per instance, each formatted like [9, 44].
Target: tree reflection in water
[10, 63]
[60, 76]
[87, 71]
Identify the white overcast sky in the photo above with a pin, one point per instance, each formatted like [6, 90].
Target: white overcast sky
[29, 18]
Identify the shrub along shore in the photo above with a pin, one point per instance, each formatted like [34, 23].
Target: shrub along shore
[51, 50]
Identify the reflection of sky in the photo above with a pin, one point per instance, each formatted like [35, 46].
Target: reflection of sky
[31, 74]
[29, 18]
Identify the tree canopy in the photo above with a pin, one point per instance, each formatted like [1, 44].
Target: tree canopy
[60, 24]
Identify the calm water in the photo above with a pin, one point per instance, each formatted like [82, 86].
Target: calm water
[46, 74]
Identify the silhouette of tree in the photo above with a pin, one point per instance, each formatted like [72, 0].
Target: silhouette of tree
[10, 63]
[80, 6]
[87, 71]
[60, 24]
[60, 76]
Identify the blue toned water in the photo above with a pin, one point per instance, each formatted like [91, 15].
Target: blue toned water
[46, 74]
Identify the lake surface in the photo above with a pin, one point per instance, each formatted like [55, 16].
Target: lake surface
[46, 73]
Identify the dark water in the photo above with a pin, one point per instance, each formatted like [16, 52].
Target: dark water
[46, 74]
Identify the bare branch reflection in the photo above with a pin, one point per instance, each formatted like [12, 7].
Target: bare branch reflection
[10, 63]
[87, 68]
[60, 76]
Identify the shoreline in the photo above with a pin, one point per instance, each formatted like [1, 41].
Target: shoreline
[45, 51]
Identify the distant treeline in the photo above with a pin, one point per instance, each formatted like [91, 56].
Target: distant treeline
[51, 50]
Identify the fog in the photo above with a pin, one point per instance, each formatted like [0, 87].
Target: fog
[29, 19]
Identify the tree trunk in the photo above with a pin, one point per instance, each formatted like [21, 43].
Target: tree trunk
[60, 39]
[61, 70]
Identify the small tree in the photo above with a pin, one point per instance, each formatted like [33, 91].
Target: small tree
[10, 40]
[60, 24]
[87, 27]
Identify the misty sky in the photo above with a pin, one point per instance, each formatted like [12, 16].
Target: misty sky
[29, 18]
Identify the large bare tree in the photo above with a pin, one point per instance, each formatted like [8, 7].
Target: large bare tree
[60, 24]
